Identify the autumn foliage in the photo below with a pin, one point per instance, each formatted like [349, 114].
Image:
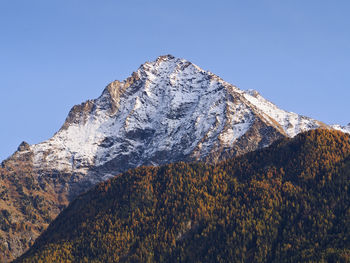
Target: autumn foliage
[289, 202]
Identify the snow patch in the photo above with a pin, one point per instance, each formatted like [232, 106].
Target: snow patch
[291, 123]
[345, 129]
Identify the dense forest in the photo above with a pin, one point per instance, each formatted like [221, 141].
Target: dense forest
[289, 202]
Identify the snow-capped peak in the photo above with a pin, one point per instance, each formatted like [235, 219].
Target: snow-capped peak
[168, 110]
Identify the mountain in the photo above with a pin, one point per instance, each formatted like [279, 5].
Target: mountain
[285, 203]
[169, 110]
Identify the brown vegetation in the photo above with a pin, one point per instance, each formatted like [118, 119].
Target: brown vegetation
[286, 203]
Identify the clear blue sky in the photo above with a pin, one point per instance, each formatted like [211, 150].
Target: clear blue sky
[58, 53]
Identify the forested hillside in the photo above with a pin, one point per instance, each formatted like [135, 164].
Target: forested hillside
[289, 202]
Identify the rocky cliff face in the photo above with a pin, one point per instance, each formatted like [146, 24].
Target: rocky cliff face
[169, 110]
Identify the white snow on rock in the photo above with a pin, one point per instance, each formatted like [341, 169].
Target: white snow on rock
[291, 122]
[167, 106]
[345, 129]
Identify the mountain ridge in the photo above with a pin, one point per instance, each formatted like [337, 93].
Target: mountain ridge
[169, 110]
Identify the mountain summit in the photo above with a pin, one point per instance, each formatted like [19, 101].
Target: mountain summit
[169, 110]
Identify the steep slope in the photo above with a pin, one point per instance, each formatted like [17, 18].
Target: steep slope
[169, 110]
[286, 203]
